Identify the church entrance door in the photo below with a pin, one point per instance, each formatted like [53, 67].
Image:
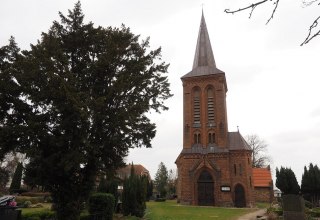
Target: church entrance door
[239, 196]
[205, 189]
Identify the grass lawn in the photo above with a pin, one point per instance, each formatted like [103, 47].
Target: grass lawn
[170, 210]
[46, 206]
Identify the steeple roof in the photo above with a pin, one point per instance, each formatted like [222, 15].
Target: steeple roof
[204, 63]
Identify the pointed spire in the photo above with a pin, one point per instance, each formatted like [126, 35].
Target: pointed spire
[204, 63]
[204, 55]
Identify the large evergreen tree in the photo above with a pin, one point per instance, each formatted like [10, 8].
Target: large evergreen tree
[76, 102]
[161, 180]
[310, 183]
[286, 181]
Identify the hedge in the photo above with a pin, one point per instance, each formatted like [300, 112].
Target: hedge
[34, 200]
[38, 215]
[102, 204]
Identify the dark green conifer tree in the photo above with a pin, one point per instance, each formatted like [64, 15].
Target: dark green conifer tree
[286, 181]
[310, 183]
[76, 102]
[16, 179]
[134, 195]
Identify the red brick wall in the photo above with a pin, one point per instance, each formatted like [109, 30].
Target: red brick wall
[263, 194]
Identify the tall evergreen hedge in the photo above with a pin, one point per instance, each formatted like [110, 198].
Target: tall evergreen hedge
[134, 195]
[16, 179]
[101, 205]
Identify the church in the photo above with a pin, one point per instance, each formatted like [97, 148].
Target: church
[214, 166]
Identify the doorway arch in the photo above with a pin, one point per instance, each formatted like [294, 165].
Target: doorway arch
[205, 189]
[239, 196]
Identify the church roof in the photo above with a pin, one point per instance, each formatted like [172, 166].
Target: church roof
[261, 177]
[204, 63]
[237, 142]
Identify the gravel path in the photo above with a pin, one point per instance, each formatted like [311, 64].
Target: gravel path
[253, 215]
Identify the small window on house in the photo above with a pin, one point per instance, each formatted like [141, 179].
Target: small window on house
[250, 181]
[235, 169]
[240, 169]
[248, 160]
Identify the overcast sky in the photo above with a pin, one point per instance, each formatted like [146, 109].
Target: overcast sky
[273, 82]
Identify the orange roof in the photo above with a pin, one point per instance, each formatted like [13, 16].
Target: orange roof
[261, 177]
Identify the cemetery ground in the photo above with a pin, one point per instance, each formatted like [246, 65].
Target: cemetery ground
[169, 209]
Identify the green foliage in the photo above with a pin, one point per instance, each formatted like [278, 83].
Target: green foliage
[76, 102]
[286, 181]
[161, 180]
[134, 195]
[160, 200]
[102, 187]
[34, 200]
[278, 211]
[26, 204]
[310, 184]
[102, 205]
[38, 215]
[149, 189]
[4, 178]
[16, 179]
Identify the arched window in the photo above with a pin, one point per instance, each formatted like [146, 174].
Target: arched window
[196, 106]
[210, 105]
[211, 138]
[197, 138]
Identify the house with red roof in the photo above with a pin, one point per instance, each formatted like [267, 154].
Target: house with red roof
[263, 184]
[139, 170]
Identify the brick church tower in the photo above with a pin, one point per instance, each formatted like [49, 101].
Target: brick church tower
[214, 166]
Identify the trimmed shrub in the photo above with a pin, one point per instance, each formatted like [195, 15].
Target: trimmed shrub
[134, 195]
[38, 215]
[102, 204]
[26, 204]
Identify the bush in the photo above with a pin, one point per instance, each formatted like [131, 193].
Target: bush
[308, 204]
[36, 194]
[85, 216]
[26, 204]
[34, 200]
[38, 215]
[160, 200]
[102, 204]
[277, 211]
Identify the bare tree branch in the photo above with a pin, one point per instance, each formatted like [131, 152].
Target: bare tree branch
[308, 3]
[259, 151]
[274, 10]
[312, 29]
[311, 36]
[253, 6]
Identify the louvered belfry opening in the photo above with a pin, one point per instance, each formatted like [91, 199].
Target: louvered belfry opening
[210, 106]
[196, 107]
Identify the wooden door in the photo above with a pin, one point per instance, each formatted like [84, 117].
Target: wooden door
[205, 189]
